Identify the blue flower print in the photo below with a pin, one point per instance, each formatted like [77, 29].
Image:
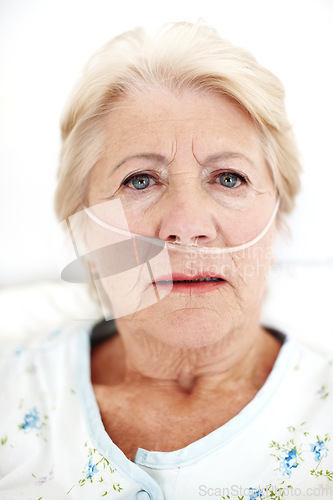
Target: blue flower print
[97, 469]
[255, 494]
[90, 469]
[288, 461]
[319, 450]
[19, 350]
[31, 420]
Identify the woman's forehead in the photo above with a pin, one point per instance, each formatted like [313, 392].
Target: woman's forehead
[163, 107]
[205, 123]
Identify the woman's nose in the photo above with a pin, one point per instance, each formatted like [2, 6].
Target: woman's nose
[187, 217]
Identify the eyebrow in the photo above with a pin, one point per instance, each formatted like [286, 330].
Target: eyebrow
[226, 155]
[146, 156]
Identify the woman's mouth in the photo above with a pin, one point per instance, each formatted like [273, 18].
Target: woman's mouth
[191, 284]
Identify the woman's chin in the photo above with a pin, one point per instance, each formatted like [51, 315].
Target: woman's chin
[190, 328]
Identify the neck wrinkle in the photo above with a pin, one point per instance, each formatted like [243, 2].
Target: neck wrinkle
[190, 374]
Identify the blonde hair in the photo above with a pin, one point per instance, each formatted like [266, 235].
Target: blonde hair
[182, 56]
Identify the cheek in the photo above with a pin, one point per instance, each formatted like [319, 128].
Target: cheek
[143, 219]
[251, 268]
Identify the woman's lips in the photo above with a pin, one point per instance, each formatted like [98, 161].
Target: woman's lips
[191, 284]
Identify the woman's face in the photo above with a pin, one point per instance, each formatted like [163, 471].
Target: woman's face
[189, 169]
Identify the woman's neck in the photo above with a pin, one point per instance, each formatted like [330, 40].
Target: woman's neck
[138, 359]
[161, 398]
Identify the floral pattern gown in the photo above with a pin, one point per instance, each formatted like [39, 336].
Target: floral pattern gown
[53, 445]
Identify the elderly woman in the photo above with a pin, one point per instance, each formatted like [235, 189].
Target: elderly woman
[178, 166]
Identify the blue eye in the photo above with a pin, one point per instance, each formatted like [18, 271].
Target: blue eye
[139, 182]
[229, 180]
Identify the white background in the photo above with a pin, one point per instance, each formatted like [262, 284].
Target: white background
[44, 44]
